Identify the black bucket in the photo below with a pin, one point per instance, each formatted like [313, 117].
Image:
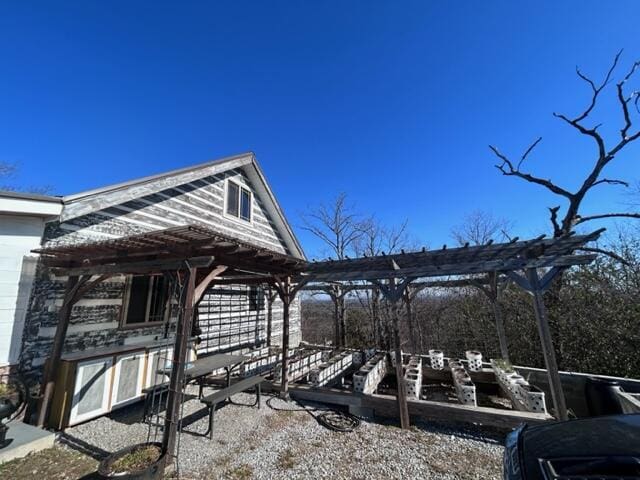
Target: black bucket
[154, 471]
[601, 397]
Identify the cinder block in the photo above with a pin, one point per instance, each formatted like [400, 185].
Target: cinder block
[465, 388]
[437, 359]
[366, 379]
[413, 377]
[474, 358]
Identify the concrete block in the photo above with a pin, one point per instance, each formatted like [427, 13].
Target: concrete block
[465, 388]
[475, 360]
[413, 377]
[437, 359]
[367, 378]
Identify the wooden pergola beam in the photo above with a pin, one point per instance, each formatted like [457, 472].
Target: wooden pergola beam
[156, 266]
[450, 269]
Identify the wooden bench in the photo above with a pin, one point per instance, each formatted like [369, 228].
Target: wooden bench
[221, 395]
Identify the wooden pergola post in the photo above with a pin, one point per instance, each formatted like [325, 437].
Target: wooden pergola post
[408, 299]
[393, 294]
[77, 286]
[183, 329]
[287, 293]
[190, 297]
[271, 296]
[283, 287]
[547, 342]
[537, 286]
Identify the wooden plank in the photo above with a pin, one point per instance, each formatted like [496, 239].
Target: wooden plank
[440, 411]
[386, 406]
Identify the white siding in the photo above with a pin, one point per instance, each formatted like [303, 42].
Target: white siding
[18, 236]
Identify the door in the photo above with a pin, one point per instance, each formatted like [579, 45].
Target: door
[91, 392]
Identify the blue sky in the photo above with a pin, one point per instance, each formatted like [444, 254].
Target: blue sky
[392, 102]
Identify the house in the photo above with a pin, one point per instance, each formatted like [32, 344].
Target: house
[229, 195]
[22, 222]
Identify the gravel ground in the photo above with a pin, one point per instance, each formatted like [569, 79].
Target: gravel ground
[267, 443]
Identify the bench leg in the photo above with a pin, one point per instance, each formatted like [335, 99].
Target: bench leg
[212, 411]
[145, 413]
[200, 386]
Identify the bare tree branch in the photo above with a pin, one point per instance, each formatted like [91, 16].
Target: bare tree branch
[554, 219]
[507, 168]
[611, 182]
[608, 253]
[604, 155]
[624, 102]
[606, 215]
[596, 89]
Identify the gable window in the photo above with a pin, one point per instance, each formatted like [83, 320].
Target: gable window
[238, 201]
[146, 300]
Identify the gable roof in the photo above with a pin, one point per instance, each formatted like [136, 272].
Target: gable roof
[98, 199]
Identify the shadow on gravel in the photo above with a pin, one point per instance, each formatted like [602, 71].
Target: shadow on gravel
[83, 447]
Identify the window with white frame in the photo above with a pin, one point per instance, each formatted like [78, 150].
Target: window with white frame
[238, 201]
[145, 300]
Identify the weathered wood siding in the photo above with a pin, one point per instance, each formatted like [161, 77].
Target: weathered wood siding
[229, 320]
[95, 320]
[199, 202]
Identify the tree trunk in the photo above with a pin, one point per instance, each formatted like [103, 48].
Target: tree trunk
[402, 387]
[337, 334]
[343, 325]
[502, 334]
[375, 317]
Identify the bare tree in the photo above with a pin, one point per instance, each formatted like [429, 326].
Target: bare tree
[337, 225]
[376, 239]
[479, 227]
[605, 151]
[8, 172]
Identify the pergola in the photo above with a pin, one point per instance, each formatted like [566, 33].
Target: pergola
[491, 284]
[198, 257]
[521, 261]
[194, 256]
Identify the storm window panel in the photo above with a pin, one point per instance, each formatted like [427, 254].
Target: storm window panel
[245, 204]
[233, 191]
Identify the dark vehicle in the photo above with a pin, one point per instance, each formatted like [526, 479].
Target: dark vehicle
[589, 448]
